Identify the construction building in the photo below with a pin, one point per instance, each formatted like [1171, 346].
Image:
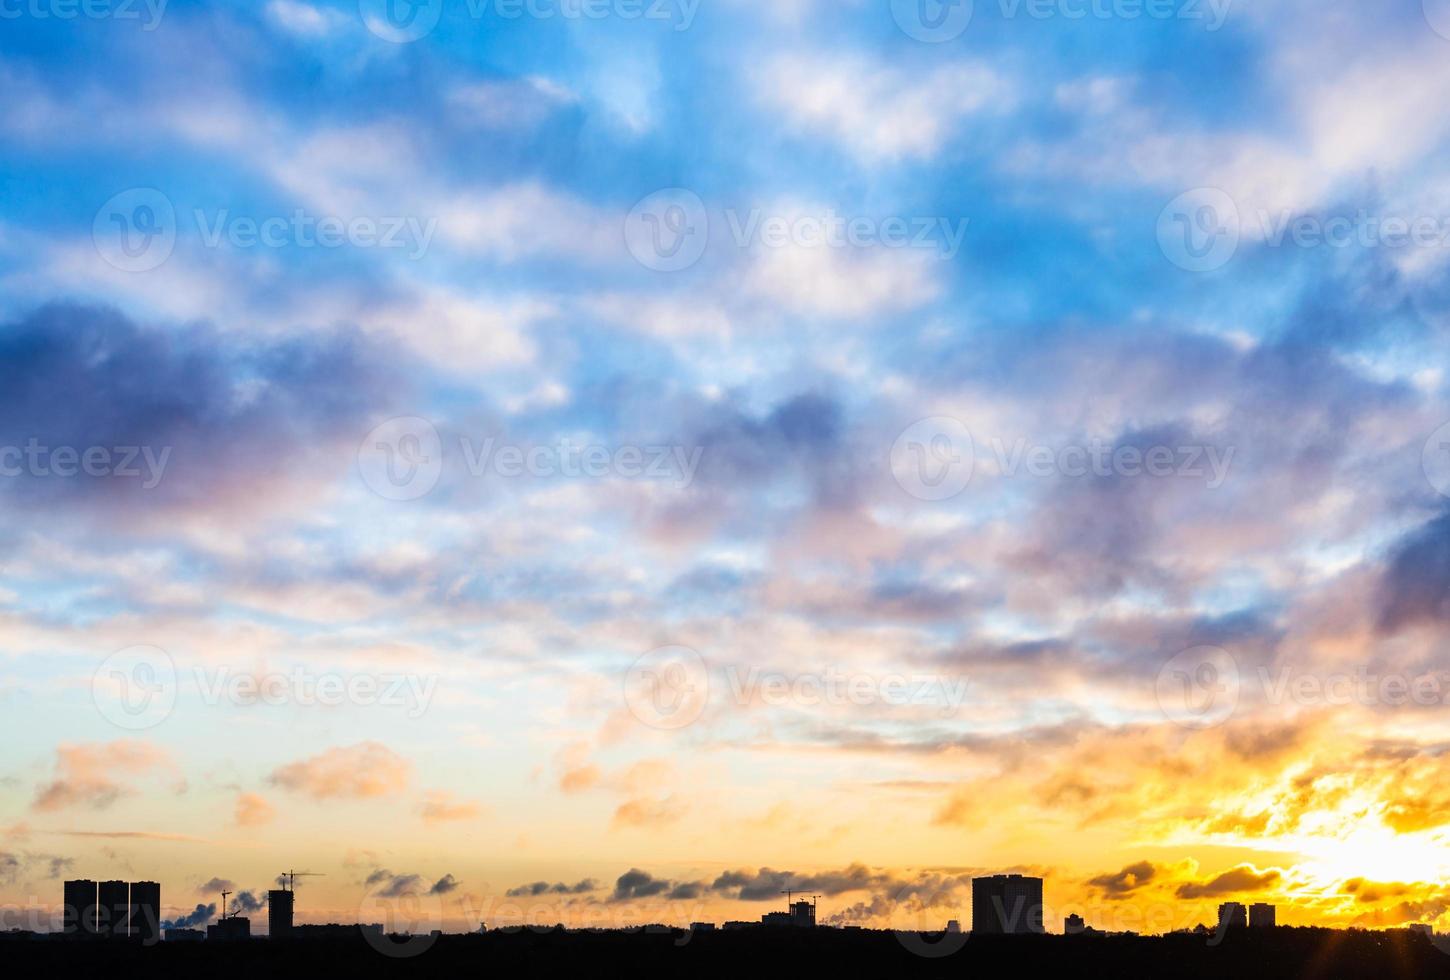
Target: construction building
[1007, 905]
[231, 929]
[280, 904]
[801, 914]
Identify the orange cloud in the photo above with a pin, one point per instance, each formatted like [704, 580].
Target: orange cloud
[644, 812]
[439, 806]
[362, 771]
[254, 810]
[85, 773]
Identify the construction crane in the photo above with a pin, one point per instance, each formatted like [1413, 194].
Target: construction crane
[289, 878]
[224, 904]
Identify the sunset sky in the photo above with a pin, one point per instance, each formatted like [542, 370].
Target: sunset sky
[611, 469]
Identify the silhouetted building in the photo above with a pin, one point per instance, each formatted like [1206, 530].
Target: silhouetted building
[78, 916]
[333, 930]
[113, 909]
[1262, 916]
[184, 935]
[1232, 915]
[231, 929]
[803, 914]
[1074, 925]
[1007, 905]
[279, 914]
[702, 927]
[954, 927]
[776, 919]
[1423, 927]
[145, 912]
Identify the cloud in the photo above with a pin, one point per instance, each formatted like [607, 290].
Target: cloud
[215, 418]
[1244, 878]
[247, 902]
[441, 807]
[537, 888]
[253, 810]
[364, 771]
[385, 884]
[86, 774]
[878, 113]
[197, 918]
[1124, 882]
[1415, 588]
[645, 812]
[635, 883]
[303, 19]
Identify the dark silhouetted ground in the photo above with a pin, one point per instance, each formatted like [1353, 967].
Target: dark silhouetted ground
[1296, 953]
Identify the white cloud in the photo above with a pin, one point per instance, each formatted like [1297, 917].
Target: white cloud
[302, 19]
[876, 112]
[843, 283]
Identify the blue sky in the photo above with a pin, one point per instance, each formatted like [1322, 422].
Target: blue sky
[825, 352]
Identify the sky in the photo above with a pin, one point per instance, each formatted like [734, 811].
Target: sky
[613, 461]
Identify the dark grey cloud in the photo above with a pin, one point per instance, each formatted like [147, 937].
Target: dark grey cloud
[1244, 878]
[237, 417]
[1126, 881]
[557, 888]
[386, 884]
[247, 902]
[1415, 587]
[767, 884]
[197, 918]
[635, 883]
